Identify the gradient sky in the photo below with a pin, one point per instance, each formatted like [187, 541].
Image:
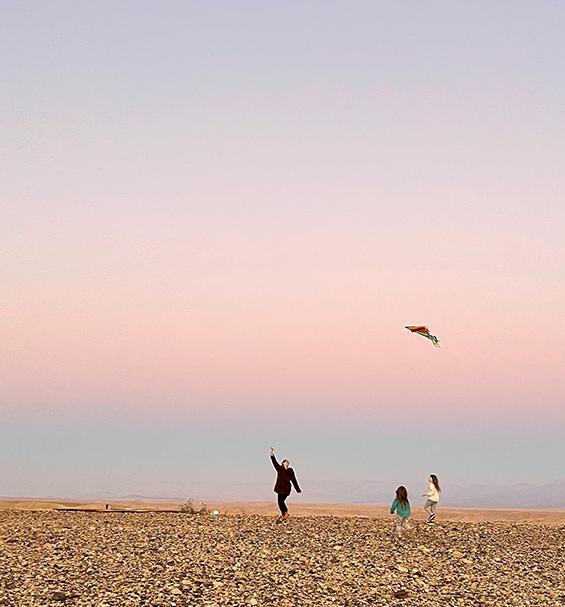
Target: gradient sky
[217, 217]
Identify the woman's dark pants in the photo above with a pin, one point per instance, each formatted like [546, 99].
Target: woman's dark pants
[282, 505]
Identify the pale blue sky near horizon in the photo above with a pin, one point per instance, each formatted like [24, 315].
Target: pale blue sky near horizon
[66, 458]
[216, 218]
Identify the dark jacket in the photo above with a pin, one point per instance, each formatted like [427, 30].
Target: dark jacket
[285, 476]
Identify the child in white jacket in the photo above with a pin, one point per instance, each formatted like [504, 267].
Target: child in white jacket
[433, 498]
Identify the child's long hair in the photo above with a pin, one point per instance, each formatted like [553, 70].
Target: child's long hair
[435, 482]
[402, 495]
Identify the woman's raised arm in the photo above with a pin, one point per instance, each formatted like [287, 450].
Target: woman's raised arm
[274, 460]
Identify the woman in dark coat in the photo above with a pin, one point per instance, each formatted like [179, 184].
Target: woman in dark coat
[285, 476]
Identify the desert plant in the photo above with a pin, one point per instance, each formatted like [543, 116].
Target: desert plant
[190, 507]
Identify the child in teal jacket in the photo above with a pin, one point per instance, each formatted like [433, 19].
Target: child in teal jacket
[401, 506]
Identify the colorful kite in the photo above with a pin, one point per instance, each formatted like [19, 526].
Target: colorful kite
[424, 332]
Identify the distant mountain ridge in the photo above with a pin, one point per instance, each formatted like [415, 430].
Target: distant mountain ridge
[522, 495]
[547, 495]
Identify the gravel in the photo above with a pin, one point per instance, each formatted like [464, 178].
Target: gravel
[178, 560]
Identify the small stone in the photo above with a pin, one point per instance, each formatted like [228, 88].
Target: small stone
[400, 594]
[58, 596]
[456, 554]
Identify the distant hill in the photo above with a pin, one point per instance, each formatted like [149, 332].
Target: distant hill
[547, 495]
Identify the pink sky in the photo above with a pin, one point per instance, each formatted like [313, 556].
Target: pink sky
[220, 222]
[206, 315]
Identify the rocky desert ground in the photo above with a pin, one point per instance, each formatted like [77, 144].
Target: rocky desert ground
[100, 559]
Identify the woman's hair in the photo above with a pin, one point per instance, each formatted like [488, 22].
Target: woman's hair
[402, 495]
[435, 481]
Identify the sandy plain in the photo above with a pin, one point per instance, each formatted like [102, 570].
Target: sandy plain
[546, 517]
[349, 558]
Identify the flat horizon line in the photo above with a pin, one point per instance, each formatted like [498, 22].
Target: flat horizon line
[55, 500]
